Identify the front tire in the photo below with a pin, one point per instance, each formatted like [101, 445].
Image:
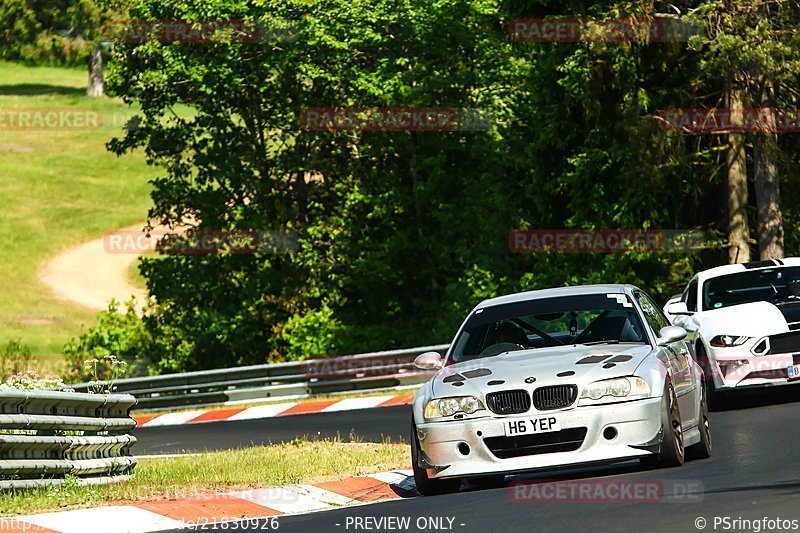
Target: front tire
[671, 452]
[714, 397]
[427, 486]
[703, 449]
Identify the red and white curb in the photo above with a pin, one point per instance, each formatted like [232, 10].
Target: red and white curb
[271, 410]
[249, 504]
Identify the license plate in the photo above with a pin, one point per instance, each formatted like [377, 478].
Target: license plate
[793, 371]
[527, 426]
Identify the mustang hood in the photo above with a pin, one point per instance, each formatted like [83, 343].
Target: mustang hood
[751, 320]
[791, 312]
[545, 366]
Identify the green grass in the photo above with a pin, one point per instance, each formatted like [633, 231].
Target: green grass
[220, 472]
[60, 188]
[135, 277]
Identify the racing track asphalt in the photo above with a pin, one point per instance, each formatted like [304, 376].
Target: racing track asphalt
[371, 425]
[754, 473]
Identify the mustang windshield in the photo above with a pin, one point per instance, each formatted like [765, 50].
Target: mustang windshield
[775, 285]
[547, 322]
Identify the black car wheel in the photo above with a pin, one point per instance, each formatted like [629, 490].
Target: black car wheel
[703, 449]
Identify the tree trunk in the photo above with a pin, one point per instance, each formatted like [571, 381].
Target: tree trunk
[767, 185]
[770, 223]
[96, 81]
[738, 228]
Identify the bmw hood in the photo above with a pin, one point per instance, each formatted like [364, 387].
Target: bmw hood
[527, 369]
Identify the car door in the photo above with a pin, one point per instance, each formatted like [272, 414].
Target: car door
[680, 361]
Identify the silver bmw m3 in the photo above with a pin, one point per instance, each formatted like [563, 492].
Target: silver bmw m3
[558, 378]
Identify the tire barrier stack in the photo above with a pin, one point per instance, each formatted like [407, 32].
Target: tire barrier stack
[47, 437]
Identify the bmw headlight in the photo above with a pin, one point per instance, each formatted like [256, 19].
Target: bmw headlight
[726, 341]
[444, 407]
[617, 388]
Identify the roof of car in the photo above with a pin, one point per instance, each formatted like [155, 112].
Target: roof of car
[557, 292]
[742, 267]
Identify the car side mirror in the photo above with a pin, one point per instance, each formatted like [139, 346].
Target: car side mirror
[428, 361]
[670, 334]
[678, 308]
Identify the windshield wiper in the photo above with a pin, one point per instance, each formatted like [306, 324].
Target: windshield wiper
[609, 341]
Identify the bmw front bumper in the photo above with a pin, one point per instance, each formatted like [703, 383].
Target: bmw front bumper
[636, 429]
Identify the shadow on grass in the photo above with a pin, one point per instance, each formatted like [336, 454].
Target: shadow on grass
[27, 89]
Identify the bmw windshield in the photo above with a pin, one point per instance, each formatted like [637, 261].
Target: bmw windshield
[548, 322]
[774, 285]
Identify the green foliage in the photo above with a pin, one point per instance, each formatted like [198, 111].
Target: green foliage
[15, 359]
[50, 31]
[399, 234]
[118, 345]
[315, 333]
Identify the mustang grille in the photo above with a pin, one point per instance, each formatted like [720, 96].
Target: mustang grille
[566, 440]
[555, 397]
[784, 343]
[508, 402]
[767, 374]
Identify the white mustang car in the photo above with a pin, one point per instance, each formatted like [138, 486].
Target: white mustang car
[557, 378]
[744, 323]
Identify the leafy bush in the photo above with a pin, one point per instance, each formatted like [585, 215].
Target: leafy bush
[313, 334]
[15, 358]
[99, 353]
[63, 32]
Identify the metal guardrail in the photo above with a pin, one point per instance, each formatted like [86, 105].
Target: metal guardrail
[360, 372]
[47, 435]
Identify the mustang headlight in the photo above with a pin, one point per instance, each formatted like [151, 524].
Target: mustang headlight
[444, 407]
[617, 387]
[726, 341]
